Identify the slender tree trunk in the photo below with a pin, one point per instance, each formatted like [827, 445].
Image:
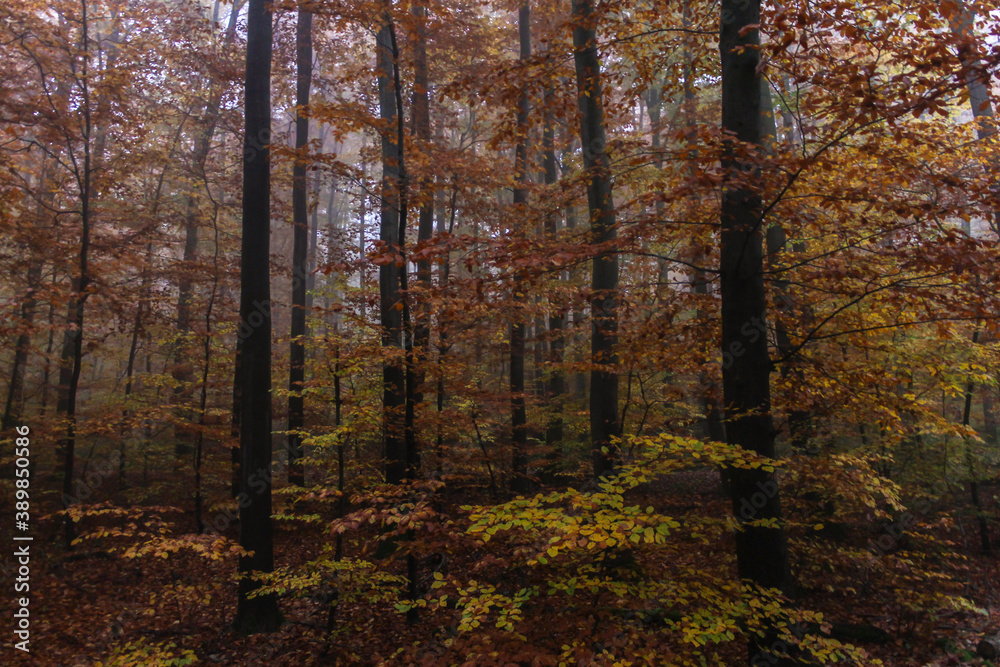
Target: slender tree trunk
[260, 613]
[421, 121]
[761, 550]
[518, 415]
[14, 404]
[990, 417]
[557, 380]
[977, 82]
[300, 251]
[390, 273]
[776, 240]
[183, 368]
[970, 461]
[47, 366]
[604, 416]
[71, 356]
[137, 328]
[15, 390]
[443, 344]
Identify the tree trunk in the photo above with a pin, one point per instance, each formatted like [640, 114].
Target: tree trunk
[257, 614]
[518, 415]
[604, 416]
[557, 380]
[15, 391]
[970, 461]
[300, 251]
[390, 272]
[425, 228]
[71, 356]
[761, 550]
[183, 369]
[776, 241]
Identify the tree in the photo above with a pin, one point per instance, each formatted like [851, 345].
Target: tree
[518, 415]
[393, 266]
[604, 418]
[260, 613]
[300, 220]
[761, 549]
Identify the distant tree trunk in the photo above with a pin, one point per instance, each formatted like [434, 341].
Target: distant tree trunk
[300, 251]
[714, 427]
[761, 551]
[47, 365]
[362, 214]
[71, 355]
[425, 229]
[418, 324]
[518, 415]
[776, 243]
[557, 380]
[978, 84]
[977, 76]
[138, 324]
[970, 460]
[183, 368]
[990, 417]
[235, 454]
[15, 390]
[653, 97]
[604, 416]
[257, 614]
[444, 278]
[977, 79]
[390, 273]
[137, 327]
[14, 404]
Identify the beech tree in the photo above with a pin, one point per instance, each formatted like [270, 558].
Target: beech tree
[300, 220]
[604, 416]
[256, 613]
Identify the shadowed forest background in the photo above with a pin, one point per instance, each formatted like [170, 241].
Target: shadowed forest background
[452, 332]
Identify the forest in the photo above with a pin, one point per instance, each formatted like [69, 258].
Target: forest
[479, 332]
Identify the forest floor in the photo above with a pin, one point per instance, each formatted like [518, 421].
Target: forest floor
[92, 607]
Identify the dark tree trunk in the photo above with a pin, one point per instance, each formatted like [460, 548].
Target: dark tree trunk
[518, 415]
[300, 250]
[71, 355]
[761, 551]
[970, 460]
[15, 390]
[604, 415]
[47, 365]
[257, 614]
[183, 369]
[425, 228]
[390, 273]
